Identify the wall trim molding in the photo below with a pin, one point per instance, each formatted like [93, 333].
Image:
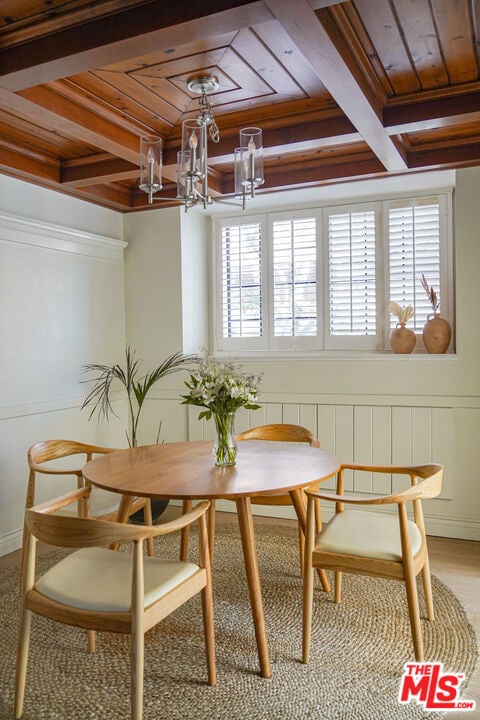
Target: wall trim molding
[26, 231]
[11, 541]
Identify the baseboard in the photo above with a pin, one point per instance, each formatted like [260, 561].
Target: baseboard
[11, 541]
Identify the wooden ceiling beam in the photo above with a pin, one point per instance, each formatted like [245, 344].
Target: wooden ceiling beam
[28, 166]
[443, 157]
[312, 40]
[80, 174]
[81, 123]
[294, 137]
[42, 107]
[120, 36]
[413, 114]
[311, 174]
[116, 197]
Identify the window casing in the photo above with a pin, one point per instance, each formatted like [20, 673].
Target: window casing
[321, 279]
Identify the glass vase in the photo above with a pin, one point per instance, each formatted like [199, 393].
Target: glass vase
[225, 448]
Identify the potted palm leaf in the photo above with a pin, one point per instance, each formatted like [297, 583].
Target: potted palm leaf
[137, 386]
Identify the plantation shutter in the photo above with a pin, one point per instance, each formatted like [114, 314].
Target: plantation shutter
[414, 242]
[241, 251]
[352, 273]
[294, 277]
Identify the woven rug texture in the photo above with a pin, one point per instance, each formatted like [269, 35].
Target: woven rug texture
[358, 649]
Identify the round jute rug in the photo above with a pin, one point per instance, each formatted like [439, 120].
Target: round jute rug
[359, 649]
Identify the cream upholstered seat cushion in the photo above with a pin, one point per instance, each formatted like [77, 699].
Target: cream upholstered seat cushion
[366, 534]
[101, 579]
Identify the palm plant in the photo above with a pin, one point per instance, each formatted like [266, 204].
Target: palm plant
[136, 385]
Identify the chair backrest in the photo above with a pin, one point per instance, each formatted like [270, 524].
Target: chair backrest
[281, 432]
[425, 482]
[78, 532]
[47, 450]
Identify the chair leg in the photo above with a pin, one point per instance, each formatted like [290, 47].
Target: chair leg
[427, 589]
[414, 612]
[147, 514]
[208, 628]
[22, 660]
[91, 640]
[137, 649]
[186, 507]
[338, 587]
[307, 599]
[307, 613]
[211, 529]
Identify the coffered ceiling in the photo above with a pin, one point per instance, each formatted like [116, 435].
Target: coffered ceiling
[342, 90]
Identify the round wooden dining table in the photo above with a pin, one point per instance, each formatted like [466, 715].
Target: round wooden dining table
[186, 471]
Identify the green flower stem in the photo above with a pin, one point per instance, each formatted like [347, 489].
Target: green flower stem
[225, 448]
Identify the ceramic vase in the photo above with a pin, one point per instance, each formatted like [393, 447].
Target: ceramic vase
[225, 448]
[402, 339]
[436, 334]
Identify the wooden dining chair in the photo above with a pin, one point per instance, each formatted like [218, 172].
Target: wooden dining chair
[102, 589]
[41, 461]
[374, 543]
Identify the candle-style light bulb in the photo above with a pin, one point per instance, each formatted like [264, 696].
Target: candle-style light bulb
[151, 163]
[251, 159]
[193, 142]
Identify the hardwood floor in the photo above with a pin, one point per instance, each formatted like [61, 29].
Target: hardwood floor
[455, 562]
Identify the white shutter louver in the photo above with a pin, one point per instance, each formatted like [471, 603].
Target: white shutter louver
[294, 278]
[414, 240]
[352, 282]
[241, 281]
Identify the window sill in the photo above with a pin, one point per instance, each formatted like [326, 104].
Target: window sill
[328, 355]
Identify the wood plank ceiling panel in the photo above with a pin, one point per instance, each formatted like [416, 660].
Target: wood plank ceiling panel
[342, 89]
[418, 27]
[453, 20]
[384, 32]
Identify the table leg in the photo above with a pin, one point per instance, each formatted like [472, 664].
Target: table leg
[123, 513]
[299, 505]
[247, 534]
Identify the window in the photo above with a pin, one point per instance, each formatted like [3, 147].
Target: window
[294, 277]
[352, 286]
[322, 279]
[414, 233]
[242, 280]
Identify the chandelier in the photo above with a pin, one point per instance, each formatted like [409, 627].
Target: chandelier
[192, 159]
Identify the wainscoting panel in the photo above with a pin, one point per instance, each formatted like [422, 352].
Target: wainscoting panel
[366, 434]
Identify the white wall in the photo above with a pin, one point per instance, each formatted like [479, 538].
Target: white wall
[61, 306]
[155, 312]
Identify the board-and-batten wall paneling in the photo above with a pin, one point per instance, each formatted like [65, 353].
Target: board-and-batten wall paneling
[364, 434]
